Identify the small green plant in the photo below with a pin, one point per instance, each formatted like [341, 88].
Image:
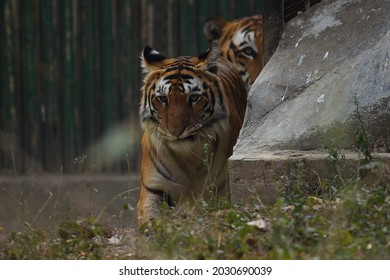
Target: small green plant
[224, 234]
[337, 164]
[214, 201]
[207, 162]
[81, 239]
[363, 138]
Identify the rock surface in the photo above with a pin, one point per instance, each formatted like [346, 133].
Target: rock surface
[328, 55]
[329, 76]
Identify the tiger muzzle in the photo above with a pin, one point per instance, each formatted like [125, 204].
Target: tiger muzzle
[184, 134]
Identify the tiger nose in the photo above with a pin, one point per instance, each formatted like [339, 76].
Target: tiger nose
[176, 130]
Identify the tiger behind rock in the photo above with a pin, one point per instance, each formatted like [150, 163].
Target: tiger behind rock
[241, 42]
[191, 112]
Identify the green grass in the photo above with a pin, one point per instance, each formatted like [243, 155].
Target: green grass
[81, 239]
[353, 224]
[349, 220]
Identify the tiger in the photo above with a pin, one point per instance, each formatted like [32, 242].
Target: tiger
[191, 112]
[240, 42]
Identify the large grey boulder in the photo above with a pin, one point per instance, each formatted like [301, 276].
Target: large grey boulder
[329, 76]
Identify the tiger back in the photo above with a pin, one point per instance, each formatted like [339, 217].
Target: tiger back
[241, 42]
[191, 112]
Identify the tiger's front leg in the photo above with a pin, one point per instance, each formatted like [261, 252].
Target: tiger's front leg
[148, 205]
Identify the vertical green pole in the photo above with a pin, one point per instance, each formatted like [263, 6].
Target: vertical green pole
[224, 9]
[88, 110]
[3, 89]
[134, 44]
[204, 14]
[242, 9]
[78, 77]
[50, 114]
[69, 87]
[3, 57]
[106, 43]
[19, 112]
[185, 27]
[174, 28]
[7, 81]
[170, 25]
[130, 61]
[7, 86]
[259, 5]
[28, 75]
[133, 89]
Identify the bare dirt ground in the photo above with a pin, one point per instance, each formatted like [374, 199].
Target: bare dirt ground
[46, 200]
[122, 245]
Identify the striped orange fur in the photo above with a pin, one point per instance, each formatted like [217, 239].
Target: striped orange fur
[188, 105]
[241, 42]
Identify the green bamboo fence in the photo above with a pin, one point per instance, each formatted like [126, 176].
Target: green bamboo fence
[70, 71]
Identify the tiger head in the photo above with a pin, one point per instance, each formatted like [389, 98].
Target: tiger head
[241, 42]
[181, 96]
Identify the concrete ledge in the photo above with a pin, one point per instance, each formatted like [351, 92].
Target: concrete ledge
[263, 175]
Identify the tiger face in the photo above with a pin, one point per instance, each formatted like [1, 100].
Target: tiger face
[188, 105]
[241, 42]
[180, 99]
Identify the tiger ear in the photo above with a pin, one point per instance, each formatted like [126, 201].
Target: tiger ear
[209, 59]
[151, 60]
[213, 28]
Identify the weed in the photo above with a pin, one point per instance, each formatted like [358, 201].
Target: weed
[74, 240]
[208, 162]
[363, 138]
[337, 165]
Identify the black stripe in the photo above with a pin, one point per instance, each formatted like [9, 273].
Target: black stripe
[229, 57]
[171, 77]
[186, 76]
[148, 118]
[165, 197]
[233, 48]
[221, 101]
[153, 110]
[247, 29]
[179, 75]
[145, 101]
[214, 120]
[180, 67]
[173, 154]
[160, 167]
[212, 96]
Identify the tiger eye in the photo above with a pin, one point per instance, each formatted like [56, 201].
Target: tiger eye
[162, 99]
[194, 97]
[249, 51]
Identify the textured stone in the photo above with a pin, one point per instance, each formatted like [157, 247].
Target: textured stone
[331, 59]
